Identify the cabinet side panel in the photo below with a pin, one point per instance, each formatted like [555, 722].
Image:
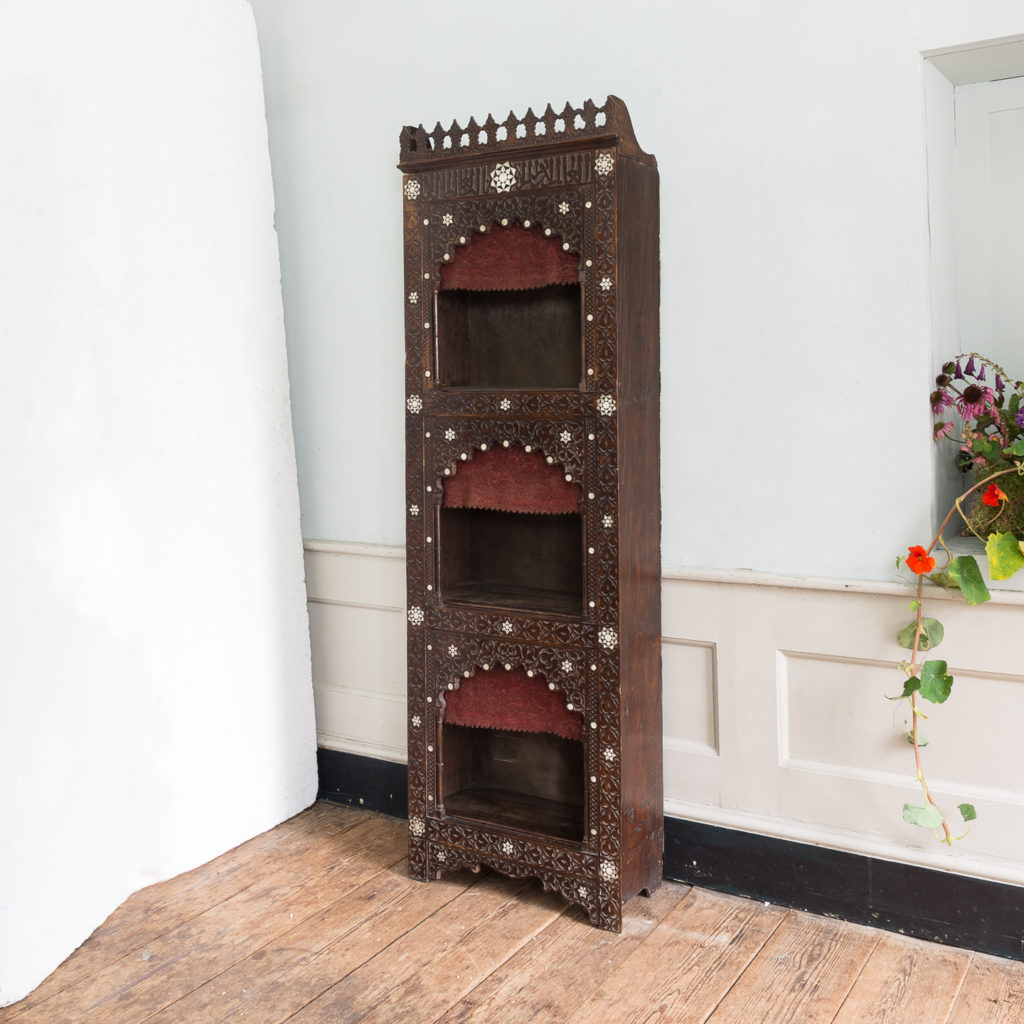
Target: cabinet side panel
[417, 525]
[639, 525]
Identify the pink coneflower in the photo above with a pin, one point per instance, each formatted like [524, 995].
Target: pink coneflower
[940, 400]
[973, 401]
[942, 430]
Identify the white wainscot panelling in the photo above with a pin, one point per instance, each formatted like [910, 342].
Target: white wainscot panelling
[688, 672]
[355, 574]
[835, 721]
[775, 715]
[357, 630]
[810, 749]
[690, 688]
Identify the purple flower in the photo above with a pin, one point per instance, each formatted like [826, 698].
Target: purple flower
[958, 373]
[981, 372]
[969, 368]
[999, 383]
[1019, 418]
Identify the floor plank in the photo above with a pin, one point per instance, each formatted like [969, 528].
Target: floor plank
[317, 921]
[429, 969]
[688, 963]
[280, 978]
[992, 993]
[161, 907]
[802, 975]
[906, 981]
[302, 881]
[566, 962]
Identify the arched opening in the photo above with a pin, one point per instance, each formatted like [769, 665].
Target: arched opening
[512, 754]
[508, 313]
[511, 534]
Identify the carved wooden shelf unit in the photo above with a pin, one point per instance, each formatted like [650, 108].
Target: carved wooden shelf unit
[533, 514]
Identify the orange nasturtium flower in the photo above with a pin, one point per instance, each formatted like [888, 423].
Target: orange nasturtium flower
[919, 560]
[993, 495]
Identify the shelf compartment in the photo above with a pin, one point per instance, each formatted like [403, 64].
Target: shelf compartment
[529, 782]
[510, 339]
[523, 561]
[508, 313]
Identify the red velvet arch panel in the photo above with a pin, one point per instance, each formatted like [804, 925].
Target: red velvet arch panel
[510, 259]
[514, 701]
[511, 480]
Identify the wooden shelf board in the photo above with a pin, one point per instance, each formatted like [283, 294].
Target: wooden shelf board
[515, 598]
[518, 811]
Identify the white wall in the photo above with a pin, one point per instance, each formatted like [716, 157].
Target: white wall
[155, 698]
[796, 326]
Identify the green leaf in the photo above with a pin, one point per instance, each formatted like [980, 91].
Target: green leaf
[964, 572]
[912, 684]
[943, 579]
[936, 684]
[925, 815]
[931, 635]
[914, 605]
[921, 741]
[967, 811]
[1017, 448]
[1004, 555]
[990, 450]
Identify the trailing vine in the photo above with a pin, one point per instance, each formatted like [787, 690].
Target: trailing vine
[991, 446]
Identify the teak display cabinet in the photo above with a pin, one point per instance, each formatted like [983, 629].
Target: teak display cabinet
[533, 514]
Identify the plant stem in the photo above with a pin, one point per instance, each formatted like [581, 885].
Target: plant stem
[948, 840]
[914, 732]
[955, 507]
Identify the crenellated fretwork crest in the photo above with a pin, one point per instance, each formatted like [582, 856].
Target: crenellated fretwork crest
[589, 124]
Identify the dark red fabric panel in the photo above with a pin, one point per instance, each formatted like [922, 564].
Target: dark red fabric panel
[511, 480]
[511, 700]
[510, 259]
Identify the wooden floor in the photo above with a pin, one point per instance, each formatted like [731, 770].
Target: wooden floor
[316, 921]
